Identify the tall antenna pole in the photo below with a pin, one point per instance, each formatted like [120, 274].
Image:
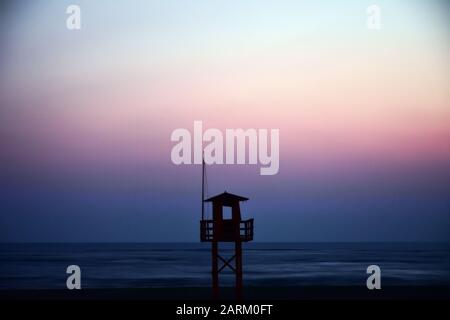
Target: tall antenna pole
[203, 187]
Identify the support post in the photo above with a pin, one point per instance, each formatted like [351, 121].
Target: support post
[238, 260]
[215, 269]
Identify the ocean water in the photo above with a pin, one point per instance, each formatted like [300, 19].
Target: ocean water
[141, 265]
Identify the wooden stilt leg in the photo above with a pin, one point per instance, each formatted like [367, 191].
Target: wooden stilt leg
[238, 259]
[215, 270]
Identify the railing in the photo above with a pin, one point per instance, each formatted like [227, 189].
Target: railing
[206, 230]
[226, 230]
[246, 230]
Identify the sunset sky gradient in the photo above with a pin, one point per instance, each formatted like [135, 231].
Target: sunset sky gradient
[86, 118]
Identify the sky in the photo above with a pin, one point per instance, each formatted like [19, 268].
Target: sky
[86, 118]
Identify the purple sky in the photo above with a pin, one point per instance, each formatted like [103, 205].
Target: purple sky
[86, 118]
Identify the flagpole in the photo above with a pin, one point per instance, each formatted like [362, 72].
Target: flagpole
[203, 187]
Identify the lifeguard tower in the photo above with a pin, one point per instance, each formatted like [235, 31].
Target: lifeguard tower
[220, 229]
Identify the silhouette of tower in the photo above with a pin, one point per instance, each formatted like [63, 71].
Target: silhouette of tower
[226, 230]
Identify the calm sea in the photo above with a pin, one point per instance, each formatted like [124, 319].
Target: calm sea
[140, 265]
